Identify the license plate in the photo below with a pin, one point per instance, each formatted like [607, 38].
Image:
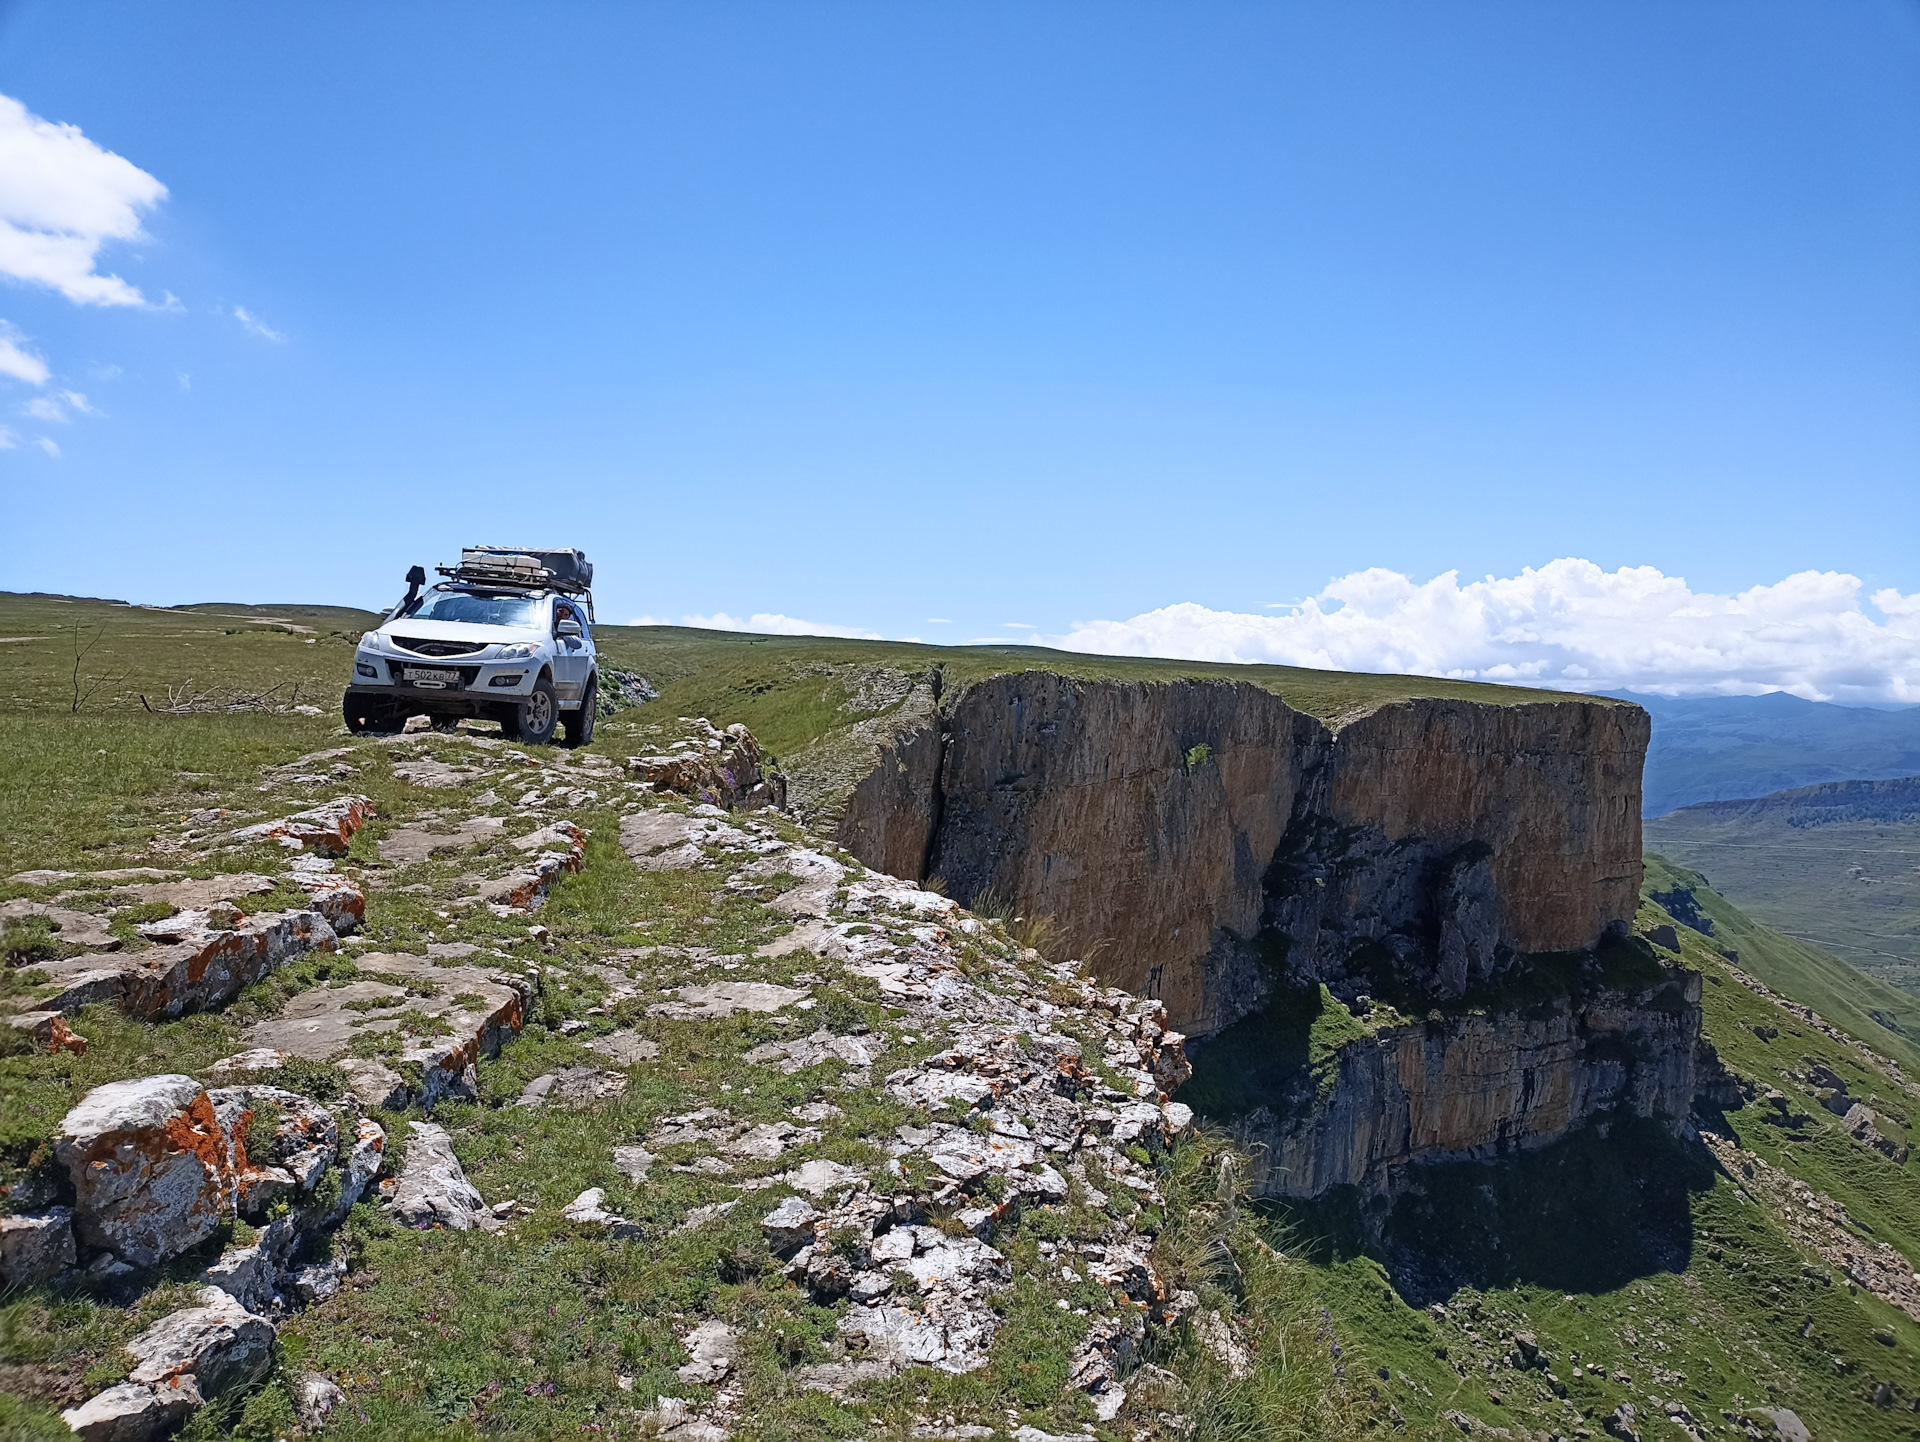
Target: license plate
[422, 676]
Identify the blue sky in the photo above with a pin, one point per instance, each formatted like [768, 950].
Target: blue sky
[876, 314]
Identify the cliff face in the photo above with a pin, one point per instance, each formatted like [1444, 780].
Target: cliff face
[1477, 1084]
[1187, 835]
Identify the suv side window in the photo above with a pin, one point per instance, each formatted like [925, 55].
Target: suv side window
[567, 611]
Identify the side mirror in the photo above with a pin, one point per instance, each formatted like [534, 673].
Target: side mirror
[567, 629]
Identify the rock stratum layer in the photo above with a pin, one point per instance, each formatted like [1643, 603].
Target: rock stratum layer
[1179, 833]
[1477, 1084]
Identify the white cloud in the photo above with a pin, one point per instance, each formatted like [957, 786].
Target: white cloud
[256, 326]
[49, 445]
[768, 623]
[1569, 625]
[55, 408]
[61, 198]
[939, 621]
[9, 438]
[1020, 625]
[17, 361]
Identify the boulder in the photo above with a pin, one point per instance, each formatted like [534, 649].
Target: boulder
[33, 1248]
[219, 1344]
[129, 1412]
[182, 1361]
[152, 1167]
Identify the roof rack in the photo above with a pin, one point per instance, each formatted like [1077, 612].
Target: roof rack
[530, 570]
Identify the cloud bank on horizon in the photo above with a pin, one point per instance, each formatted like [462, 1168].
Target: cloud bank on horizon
[1567, 625]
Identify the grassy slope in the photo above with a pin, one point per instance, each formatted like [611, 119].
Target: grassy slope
[1731, 1328]
[1750, 1319]
[1849, 887]
[1851, 998]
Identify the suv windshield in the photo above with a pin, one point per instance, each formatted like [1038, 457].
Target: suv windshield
[478, 609]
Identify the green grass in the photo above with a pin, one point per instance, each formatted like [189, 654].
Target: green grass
[1846, 887]
[1853, 1000]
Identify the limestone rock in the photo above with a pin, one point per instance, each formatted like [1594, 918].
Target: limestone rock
[1428, 1091]
[790, 1225]
[480, 1008]
[128, 1412]
[219, 1344]
[712, 1349]
[1152, 815]
[432, 1190]
[723, 999]
[152, 1167]
[34, 1247]
[327, 829]
[314, 1398]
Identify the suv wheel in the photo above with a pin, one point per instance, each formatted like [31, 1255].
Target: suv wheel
[579, 723]
[365, 714]
[535, 717]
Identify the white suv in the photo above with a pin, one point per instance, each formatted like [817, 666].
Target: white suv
[506, 637]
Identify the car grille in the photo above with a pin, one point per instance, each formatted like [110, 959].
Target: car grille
[398, 671]
[422, 647]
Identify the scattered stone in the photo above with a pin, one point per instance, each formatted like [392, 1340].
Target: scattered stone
[1787, 1425]
[790, 1226]
[1225, 1348]
[625, 1048]
[818, 1047]
[713, 1348]
[75, 928]
[700, 1216]
[468, 1012]
[411, 845]
[672, 1419]
[718, 768]
[723, 999]
[327, 829]
[437, 775]
[49, 1031]
[819, 1177]
[589, 1209]
[128, 1412]
[633, 1162]
[314, 1397]
[432, 1190]
[208, 958]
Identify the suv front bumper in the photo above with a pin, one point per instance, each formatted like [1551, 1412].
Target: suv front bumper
[464, 688]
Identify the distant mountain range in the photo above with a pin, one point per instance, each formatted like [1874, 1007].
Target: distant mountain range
[1730, 748]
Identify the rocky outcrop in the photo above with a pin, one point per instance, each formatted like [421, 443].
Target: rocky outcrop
[1184, 835]
[152, 1167]
[1476, 1084]
[182, 1361]
[715, 767]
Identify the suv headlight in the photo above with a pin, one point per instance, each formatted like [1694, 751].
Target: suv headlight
[370, 641]
[519, 651]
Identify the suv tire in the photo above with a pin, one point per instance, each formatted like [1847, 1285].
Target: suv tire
[533, 719]
[579, 723]
[366, 715]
